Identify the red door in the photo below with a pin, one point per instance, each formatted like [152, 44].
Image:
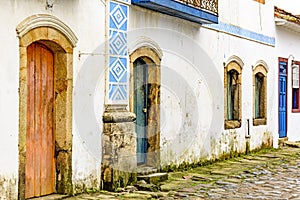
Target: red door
[40, 166]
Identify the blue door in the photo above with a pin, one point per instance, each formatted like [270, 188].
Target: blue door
[282, 99]
[140, 79]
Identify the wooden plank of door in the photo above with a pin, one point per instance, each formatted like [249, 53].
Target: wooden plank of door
[37, 113]
[29, 170]
[44, 158]
[47, 161]
[50, 120]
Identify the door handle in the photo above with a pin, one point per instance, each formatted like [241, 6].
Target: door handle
[144, 110]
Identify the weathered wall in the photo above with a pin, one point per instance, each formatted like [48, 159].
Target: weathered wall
[88, 88]
[192, 87]
[287, 44]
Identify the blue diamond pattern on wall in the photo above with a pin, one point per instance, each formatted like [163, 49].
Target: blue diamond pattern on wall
[118, 16]
[118, 70]
[118, 92]
[118, 43]
[118, 56]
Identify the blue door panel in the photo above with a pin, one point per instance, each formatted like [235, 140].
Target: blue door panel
[282, 109]
[140, 74]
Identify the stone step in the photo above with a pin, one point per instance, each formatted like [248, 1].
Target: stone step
[144, 170]
[51, 197]
[153, 178]
[295, 144]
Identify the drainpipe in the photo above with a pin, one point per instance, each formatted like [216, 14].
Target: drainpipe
[247, 136]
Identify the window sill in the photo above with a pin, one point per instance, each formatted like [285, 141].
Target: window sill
[259, 121]
[231, 124]
[296, 110]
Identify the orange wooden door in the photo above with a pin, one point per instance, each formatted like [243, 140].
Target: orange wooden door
[40, 166]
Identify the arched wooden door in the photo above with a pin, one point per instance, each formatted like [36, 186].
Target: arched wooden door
[140, 75]
[40, 166]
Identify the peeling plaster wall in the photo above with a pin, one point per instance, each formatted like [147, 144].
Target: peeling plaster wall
[192, 81]
[88, 88]
[288, 44]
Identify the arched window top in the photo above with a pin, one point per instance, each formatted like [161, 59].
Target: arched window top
[146, 43]
[233, 65]
[234, 59]
[260, 67]
[261, 63]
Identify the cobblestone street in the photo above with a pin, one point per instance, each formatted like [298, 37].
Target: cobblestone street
[272, 174]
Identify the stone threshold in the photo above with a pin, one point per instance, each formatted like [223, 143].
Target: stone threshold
[295, 144]
[51, 197]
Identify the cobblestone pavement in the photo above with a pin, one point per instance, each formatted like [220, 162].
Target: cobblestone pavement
[273, 174]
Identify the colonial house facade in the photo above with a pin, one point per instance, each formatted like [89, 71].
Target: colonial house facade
[96, 91]
[287, 37]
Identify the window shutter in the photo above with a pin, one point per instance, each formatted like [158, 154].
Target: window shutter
[295, 81]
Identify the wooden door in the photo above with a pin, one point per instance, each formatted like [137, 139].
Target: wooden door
[140, 78]
[282, 100]
[40, 168]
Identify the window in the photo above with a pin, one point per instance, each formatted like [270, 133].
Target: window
[260, 95]
[295, 87]
[233, 97]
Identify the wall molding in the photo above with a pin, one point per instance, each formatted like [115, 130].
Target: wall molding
[262, 63]
[146, 43]
[45, 20]
[236, 59]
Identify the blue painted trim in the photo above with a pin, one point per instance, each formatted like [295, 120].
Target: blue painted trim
[177, 9]
[238, 31]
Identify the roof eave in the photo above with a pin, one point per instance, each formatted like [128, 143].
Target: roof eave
[287, 24]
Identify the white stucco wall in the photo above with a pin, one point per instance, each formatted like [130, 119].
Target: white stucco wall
[287, 46]
[9, 80]
[88, 88]
[192, 73]
[248, 14]
[288, 5]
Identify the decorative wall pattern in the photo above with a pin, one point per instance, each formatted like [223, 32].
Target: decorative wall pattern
[118, 54]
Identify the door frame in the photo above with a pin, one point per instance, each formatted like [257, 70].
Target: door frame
[153, 60]
[54, 34]
[286, 114]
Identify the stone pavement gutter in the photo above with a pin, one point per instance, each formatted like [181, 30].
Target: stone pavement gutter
[267, 174]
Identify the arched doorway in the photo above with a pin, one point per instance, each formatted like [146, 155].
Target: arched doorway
[140, 107]
[145, 103]
[45, 107]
